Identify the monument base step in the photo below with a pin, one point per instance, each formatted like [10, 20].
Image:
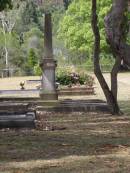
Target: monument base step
[47, 102]
[44, 95]
[75, 106]
[75, 93]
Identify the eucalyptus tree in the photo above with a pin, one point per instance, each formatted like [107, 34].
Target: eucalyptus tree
[8, 19]
[116, 25]
[117, 28]
[111, 100]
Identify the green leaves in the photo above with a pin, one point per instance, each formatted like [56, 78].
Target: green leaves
[48, 6]
[32, 58]
[75, 28]
[5, 4]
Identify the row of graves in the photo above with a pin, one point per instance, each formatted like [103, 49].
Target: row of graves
[30, 112]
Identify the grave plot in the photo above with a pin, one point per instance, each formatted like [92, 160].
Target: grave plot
[16, 115]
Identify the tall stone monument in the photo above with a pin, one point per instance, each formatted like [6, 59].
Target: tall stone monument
[48, 65]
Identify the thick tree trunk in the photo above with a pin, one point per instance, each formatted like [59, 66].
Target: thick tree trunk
[115, 24]
[112, 102]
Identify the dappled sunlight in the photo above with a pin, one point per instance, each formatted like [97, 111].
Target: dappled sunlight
[90, 141]
[47, 163]
[91, 163]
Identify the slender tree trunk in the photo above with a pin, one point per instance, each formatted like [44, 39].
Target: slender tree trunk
[5, 44]
[112, 102]
[114, 73]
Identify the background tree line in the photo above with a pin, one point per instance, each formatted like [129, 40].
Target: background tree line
[21, 35]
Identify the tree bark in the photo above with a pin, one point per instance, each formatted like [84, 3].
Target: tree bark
[116, 27]
[115, 24]
[114, 73]
[112, 102]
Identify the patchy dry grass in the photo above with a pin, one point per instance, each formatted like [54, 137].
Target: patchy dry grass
[13, 82]
[91, 143]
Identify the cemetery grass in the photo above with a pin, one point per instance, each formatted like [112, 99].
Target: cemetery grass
[89, 143]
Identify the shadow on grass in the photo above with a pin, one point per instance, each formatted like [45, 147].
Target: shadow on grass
[85, 134]
[92, 137]
[125, 106]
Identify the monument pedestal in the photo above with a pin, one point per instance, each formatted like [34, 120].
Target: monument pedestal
[48, 88]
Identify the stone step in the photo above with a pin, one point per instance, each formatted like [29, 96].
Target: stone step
[75, 93]
[83, 101]
[77, 89]
[9, 108]
[19, 99]
[80, 103]
[16, 115]
[17, 120]
[47, 102]
[75, 108]
[29, 115]
[24, 123]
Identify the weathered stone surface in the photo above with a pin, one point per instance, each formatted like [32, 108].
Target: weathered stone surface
[75, 106]
[9, 108]
[16, 115]
[48, 95]
[48, 65]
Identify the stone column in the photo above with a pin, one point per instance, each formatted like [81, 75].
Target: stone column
[48, 89]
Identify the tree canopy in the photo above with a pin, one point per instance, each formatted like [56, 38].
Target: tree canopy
[5, 4]
[75, 28]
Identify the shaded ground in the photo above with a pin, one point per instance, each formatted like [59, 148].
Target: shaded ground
[90, 143]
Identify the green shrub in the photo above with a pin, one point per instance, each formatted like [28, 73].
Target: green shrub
[66, 77]
[37, 70]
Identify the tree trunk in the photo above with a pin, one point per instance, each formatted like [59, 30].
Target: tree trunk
[112, 102]
[114, 72]
[116, 27]
[5, 42]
